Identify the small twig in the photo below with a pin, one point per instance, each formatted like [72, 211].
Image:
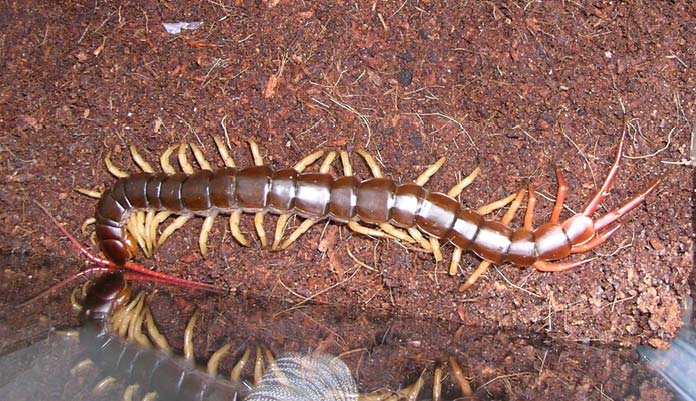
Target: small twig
[516, 286]
[669, 141]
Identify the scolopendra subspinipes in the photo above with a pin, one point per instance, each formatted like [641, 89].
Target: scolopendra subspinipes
[377, 201]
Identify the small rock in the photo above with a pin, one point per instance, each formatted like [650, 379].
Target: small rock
[405, 77]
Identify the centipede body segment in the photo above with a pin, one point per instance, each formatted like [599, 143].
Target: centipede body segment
[408, 212]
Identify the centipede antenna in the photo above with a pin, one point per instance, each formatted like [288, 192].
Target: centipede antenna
[94, 270]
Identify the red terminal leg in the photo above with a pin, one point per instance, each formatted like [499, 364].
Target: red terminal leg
[531, 203]
[560, 196]
[598, 240]
[631, 204]
[559, 267]
[608, 182]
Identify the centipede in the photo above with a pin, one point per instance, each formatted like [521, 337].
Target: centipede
[128, 214]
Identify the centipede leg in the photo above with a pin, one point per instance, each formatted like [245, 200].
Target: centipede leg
[280, 228]
[561, 194]
[112, 168]
[214, 360]
[236, 372]
[175, 225]
[258, 366]
[205, 231]
[164, 160]
[301, 229]
[103, 386]
[461, 185]
[130, 391]
[154, 333]
[258, 225]
[437, 384]
[235, 218]
[355, 226]
[140, 161]
[464, 385]
[188, 337]
[186, 167]
[531, 203]
[258, 216]
[484, 265]
[493, 206]
[224, 154]
[200, 157]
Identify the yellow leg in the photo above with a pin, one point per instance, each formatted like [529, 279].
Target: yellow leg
[188, 338]
[130, 392]
[371, 163]
[301, 229]
[88, 222]
[205, 230]
[493, 206]
[186, 167]
[151, 396]
[424, 243]
[236, 373]
[457, 189]
[135, 225]
[178, 223]
[156, 221]
[82, 367]
[89, 192]
[112, 168]
[214, 360]
[157, 337]
[435, 245]
[104, 386]
[164, 160]
[258, 224]
[396, 233]
[140, 161]
[200, 157]
[255, 153]
[461, 379]
[307, 161]
[345, 162]
[258, 366]
[326, 164]
[222, 149]
[280, 228]
[454, 263]
[425, 176]
[437, 384]
[355, 226]
[235, 218]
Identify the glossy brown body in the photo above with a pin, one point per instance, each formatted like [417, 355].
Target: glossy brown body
[319, 196]
[172, 378]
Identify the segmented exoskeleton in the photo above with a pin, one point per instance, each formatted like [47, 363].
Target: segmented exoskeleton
[377, 201]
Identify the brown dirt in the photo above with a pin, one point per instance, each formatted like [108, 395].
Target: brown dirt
[515, 87]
